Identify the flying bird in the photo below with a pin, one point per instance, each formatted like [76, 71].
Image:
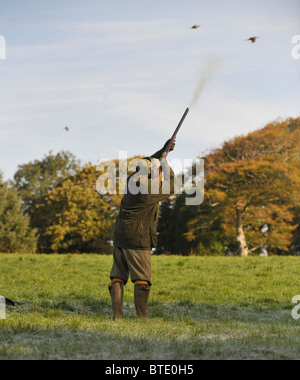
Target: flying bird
[252, 39]
[196, 27]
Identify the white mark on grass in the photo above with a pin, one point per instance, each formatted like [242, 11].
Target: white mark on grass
[2, 308]
[296, 309]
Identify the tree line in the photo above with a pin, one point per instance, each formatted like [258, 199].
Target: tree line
[251, 203]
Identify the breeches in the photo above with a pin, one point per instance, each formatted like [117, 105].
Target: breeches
[133, 262]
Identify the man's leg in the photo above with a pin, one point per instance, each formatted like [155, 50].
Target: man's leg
[141, 297]
[116, 290]
[119, 277]
[139, 263]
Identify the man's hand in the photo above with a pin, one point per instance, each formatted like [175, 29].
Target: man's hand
[159, 154]
[172, 146]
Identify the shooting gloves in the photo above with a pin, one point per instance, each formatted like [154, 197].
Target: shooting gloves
[159, 154]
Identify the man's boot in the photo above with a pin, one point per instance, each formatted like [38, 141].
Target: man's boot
[141, 297]
[117, 292]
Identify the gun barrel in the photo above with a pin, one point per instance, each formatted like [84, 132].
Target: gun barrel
[167, 150]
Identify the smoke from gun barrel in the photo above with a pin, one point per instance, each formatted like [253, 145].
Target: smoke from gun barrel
[208, 69]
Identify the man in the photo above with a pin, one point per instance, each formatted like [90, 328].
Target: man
[135, 231]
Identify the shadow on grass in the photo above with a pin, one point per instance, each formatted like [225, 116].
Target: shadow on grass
[176, 311]
[154, 339]
[82, 328]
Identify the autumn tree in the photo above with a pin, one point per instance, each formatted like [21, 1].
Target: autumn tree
[252, 186]
[74, 218]
[35, 179]
[63, 205]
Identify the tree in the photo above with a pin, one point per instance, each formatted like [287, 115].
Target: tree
[15, 232]
[296, 236]
[173, 225]
[35, 179]
[252, 187]
[253, 197]
[166, 234]
[74, 218]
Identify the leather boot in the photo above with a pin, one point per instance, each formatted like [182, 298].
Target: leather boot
[117, 293]
[141, 297]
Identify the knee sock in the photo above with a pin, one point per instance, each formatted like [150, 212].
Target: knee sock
[118, 280]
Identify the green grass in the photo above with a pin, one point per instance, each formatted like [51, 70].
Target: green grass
[200, 308]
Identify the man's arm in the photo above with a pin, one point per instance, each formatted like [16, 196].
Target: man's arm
[160, 152]
[163, 189]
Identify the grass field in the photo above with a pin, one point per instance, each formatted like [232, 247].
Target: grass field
[200, 308]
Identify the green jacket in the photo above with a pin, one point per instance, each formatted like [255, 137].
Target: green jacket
[136, 224]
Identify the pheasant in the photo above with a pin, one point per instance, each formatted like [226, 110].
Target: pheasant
[252, 39]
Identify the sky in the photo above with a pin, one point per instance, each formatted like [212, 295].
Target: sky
[120, 74]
